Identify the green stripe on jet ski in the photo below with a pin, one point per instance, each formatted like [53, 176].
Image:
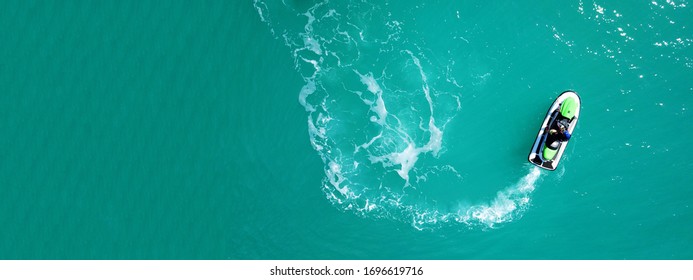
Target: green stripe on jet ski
[549, 153]
[569, 107]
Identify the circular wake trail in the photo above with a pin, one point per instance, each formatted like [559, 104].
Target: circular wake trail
[377, 110]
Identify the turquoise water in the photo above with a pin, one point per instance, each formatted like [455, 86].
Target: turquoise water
[342, 130]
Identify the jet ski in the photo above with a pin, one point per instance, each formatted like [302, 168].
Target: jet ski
[555, 131]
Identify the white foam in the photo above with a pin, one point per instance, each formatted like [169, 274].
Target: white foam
[368, 144]
[395, 146]
[256, 3]
[312, 45]
[307, 90]
[406, 159]
[505, 205]
[435, 142]
[599, 9]
[335, 177]
[377, 106]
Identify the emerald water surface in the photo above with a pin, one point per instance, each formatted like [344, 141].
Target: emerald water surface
[291, 129]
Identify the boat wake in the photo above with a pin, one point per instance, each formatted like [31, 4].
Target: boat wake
[378, 103]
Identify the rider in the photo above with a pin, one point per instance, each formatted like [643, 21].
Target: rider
[556, 136]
